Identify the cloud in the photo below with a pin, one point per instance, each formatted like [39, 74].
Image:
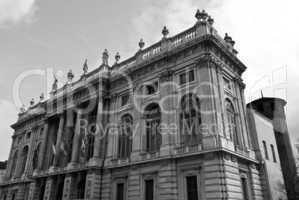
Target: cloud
[7, 117]
[13, 11]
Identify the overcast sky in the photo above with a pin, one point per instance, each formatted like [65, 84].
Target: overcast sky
[59, 35]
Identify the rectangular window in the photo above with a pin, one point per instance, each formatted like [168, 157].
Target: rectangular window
[120, 191]
[149, 189]
[187, 77]
[124, 100]
[191, 76]
[273, 153]
[265, 150]
[244, 188]
[183, 79]
[227, 84]
[192, 191]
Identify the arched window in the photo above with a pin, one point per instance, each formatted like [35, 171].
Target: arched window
[190, 120]
[125, 137]
[152, 117]
[231, 122]
[35, 157]
[14, 163]
[24, 160]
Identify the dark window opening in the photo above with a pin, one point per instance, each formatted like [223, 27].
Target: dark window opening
[13, 196]
[41, 190]
[265, 150]
[59, 188]
[244, 188]
[191, 76]
[41, 131]
[81, 179]
[192, 188]
[273, 153]
[28, 135]
[35, 157]
[90, 145]
[183, 79]
[149, 189]
[150, 89]
[120, 191]
[125, 99]
[187, 77]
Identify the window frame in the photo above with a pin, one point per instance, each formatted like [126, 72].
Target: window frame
[227, 84]
[187, 76]
[155, 189]
[120, 180]
[194, 169]
[231, 118]
[265, 149]
[197, 185]
[273, 153]
[244, 176]
[127, 96]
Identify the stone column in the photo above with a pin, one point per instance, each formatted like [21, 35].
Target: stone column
[76, 140]
[68, 192]
[42, 152]
[28, 166]
[32, 191]
[96, 160]
[138, 126]
[92, 187]
[167, 115]
[58, 141]
[48, 195]
[112, 136]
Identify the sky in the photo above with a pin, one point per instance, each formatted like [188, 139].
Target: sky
[55, 35]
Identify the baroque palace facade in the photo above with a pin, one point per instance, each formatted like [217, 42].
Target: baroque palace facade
[169, 123]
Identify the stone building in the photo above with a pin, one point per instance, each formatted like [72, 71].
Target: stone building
[168, 123]
[3, 165]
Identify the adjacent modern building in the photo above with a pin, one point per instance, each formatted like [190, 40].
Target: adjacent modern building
[168, 123]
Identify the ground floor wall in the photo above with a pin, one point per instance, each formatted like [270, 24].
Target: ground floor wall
[208, 176]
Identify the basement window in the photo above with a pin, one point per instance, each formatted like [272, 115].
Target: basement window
[192, 188]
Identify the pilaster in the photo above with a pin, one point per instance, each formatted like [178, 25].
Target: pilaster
[58, 141]
[41, 156]
[167, 112]
[76, 141]
[32, 191]
[49, 189]
[93, 184]
[69, 182]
